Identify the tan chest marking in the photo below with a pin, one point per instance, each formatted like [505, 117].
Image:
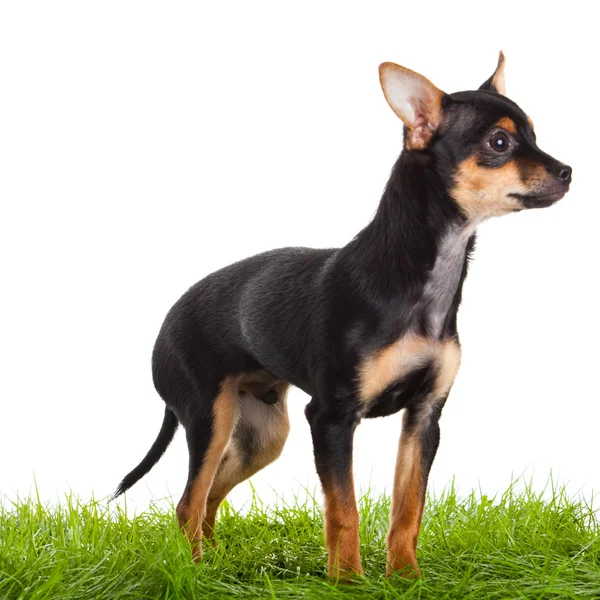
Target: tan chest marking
[407, 354]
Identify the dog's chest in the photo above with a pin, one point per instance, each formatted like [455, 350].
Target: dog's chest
[423, 363]
[433, 362]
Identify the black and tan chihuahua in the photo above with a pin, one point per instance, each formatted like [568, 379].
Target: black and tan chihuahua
[366, 330]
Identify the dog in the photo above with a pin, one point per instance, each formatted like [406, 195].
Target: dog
[365, 330]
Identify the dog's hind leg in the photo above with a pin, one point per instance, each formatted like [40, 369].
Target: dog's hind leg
[207, 436]
[260, 433]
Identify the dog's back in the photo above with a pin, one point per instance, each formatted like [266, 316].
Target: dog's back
[256, 314]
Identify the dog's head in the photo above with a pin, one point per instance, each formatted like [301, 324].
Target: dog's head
[482, 143]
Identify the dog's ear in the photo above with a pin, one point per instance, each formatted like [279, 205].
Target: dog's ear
[415, 100]
[496, 82]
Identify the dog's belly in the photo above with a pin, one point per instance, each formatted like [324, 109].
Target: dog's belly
[412, 369]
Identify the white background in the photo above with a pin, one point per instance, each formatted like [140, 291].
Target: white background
[144, 145]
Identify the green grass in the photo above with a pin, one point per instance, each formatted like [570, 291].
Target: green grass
[520, 545]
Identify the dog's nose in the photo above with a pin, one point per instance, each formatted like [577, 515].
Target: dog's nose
[563, 172]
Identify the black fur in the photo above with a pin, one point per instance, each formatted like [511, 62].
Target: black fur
[311, 317]
[165, 436]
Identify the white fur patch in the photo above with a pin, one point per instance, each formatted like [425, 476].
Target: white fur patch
[444, 278]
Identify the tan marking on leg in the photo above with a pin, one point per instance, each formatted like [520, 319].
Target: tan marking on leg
[448, 363]
[227, 477]
[224, 413]
[508, 124]
[390, 364]
[407, 507]
[272, 426]
[408, 497]
[341, 531]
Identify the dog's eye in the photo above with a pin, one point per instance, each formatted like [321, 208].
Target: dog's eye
[499, 142]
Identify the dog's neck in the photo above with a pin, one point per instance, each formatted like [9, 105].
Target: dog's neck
[415, 247]
[445, 278]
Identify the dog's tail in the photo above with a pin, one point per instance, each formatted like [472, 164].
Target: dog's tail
[165, 436]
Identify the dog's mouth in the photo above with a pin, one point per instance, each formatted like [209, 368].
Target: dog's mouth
[541, 200]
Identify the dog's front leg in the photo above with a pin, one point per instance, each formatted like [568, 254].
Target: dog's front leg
[417, 448]
[332, 433]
